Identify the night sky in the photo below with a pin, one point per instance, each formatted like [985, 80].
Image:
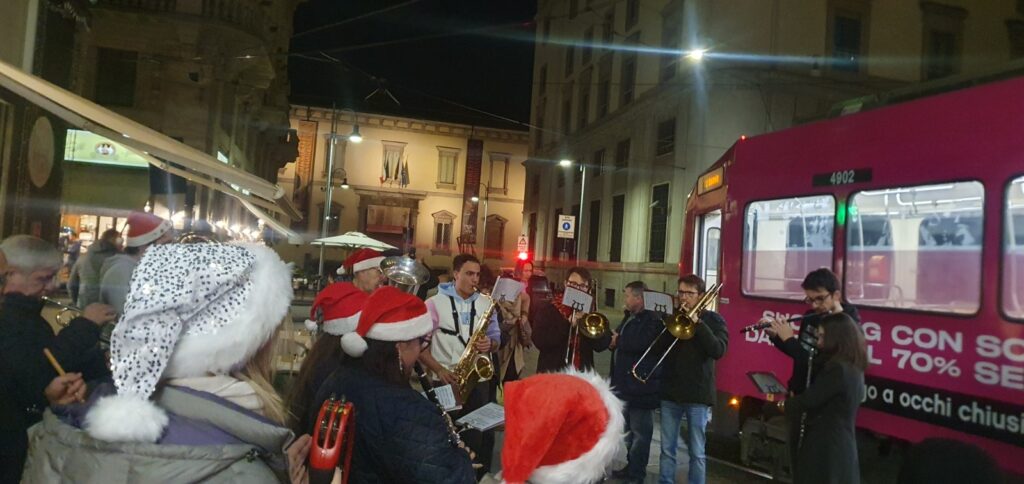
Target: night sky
[489, 68]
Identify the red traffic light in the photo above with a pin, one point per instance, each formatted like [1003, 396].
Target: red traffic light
[524, 256]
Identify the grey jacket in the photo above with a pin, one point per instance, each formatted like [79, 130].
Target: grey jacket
[207, 440]
[116, 276]
[86, 273]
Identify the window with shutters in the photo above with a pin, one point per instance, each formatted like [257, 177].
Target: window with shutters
[447, 166]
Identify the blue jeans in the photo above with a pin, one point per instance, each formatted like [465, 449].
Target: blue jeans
[639, 429]
[697, 416]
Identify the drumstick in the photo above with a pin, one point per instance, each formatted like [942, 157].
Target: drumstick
[53, 361]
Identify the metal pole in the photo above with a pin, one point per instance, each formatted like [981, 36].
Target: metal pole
[487, 196]
[330, 185]
[579, 223]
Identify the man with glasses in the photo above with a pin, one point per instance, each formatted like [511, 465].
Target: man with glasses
[821, 291]
[821, 288]
[688, 385]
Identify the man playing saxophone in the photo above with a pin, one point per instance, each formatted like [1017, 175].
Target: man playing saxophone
[456, 310]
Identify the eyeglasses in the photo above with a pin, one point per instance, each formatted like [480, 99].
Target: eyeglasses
[817, 300]
[687, 293]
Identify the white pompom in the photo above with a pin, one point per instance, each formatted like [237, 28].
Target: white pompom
[353, 344]
[126, 418]
[341, 271]
[310, 325]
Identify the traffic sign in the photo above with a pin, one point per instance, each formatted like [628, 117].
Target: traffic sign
[523, 245]
[566, 226]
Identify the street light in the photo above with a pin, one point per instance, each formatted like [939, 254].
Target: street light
[696, 55]
[565, 163]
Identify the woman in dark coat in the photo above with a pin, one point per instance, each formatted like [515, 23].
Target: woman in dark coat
[827, 451]
[400, 435]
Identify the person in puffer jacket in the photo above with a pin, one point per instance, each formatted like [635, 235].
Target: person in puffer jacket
[401, 436]
[191, 399]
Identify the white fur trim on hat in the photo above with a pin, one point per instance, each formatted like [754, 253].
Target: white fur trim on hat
[353, 345]
[371, 263]
[590, 467]
[235, 343]
[403, 330]
[149, 237]
[342, 326]
[125, 418]
[310, 325]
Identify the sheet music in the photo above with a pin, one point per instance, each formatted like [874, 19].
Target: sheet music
[446, 397]
[577, 299]
[484, 418]
[658, 302]
[506, 289]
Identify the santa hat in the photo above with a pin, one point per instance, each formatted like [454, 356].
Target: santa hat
[145, 228]
[389, 315]
[361, 260]
[192, 310]
[341, 303]
[561, 428]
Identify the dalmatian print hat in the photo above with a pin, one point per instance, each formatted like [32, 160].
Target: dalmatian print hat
[192, 310]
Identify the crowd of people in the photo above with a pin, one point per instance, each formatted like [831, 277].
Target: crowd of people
[184, 393]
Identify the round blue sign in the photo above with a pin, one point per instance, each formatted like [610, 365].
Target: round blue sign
[566, 225]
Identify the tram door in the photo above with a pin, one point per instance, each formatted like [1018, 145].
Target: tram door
[708, 248]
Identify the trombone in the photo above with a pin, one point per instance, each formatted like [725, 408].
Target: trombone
[682, 324]
[67, 312]
[593, 324]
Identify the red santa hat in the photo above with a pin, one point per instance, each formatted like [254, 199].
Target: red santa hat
[389, 315]
[561, 428]
[145, 228]
[341, 304]
[361, 260]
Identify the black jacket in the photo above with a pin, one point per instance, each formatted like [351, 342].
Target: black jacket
[690, 367]
[636, 333]
[798, 352]
[400, 435]
[828, 452]
[25, 371]
[551, 337]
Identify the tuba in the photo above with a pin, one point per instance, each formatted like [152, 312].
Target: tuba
[591, 325]
[473, 366]
[67, 312]
[404, 273]
[681, 324]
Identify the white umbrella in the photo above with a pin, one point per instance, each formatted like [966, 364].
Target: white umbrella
[355, 240]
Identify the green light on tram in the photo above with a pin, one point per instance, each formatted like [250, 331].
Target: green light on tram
[841, 213]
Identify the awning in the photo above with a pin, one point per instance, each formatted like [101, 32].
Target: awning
[194, 165]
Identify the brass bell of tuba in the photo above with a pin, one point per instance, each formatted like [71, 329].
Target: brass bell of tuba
[405, 273]
[681, 324]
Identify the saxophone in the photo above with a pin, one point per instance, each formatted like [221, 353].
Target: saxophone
[474, 367]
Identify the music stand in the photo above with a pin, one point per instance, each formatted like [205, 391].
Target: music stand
[767, 383]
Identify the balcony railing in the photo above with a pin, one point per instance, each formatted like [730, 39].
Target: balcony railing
[244, 14]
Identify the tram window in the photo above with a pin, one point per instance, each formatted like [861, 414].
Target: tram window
[916, 247]
[1013, 251]
[783, 240]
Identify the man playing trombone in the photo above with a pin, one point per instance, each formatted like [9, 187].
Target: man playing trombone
[554, 327]
[688, 385]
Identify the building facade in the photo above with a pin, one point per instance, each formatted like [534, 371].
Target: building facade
[410, 183]
[616, 91]
[209, 73]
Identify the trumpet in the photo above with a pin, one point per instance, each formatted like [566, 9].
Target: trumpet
[682, 324]
[67, 312]
[591, 325]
